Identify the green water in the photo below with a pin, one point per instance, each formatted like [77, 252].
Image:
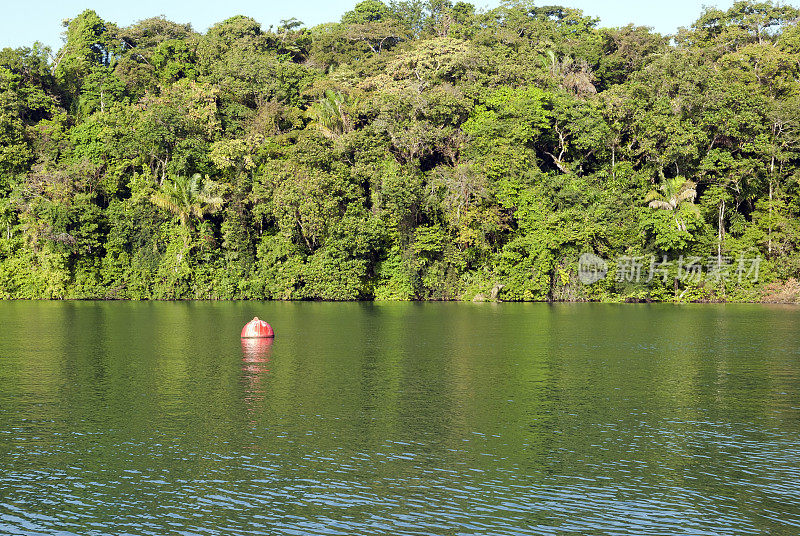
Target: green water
[153, 418]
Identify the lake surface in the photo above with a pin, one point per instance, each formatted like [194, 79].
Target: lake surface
[399, 419]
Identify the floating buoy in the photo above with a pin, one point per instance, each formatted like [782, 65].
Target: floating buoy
[257, 329]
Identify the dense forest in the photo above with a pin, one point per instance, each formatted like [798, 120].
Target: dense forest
[413, 150]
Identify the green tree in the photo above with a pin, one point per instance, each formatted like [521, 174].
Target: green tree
[677, 196]
[189, 199]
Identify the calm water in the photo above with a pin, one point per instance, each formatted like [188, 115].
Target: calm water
[399, 419]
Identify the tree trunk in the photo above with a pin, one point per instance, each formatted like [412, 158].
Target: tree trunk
[769, 232]
[720, 229]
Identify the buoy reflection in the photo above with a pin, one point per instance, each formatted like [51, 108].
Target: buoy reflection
[256, 354]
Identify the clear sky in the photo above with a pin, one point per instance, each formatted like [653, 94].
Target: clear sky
[23, 22]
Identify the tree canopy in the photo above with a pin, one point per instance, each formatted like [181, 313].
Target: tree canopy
[415, 149]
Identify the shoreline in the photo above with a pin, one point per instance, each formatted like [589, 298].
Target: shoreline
[495, 302]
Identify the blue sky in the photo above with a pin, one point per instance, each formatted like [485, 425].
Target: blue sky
[24, 22]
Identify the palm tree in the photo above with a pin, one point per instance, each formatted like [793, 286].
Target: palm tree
[574, 75]
[676, 195]
[188, 198]
[331, 114]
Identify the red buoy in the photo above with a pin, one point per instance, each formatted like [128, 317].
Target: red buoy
[256, 329]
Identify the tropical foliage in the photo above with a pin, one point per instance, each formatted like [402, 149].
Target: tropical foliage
[412, 150]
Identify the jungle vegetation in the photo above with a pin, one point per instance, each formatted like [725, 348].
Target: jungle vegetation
[418, 149]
